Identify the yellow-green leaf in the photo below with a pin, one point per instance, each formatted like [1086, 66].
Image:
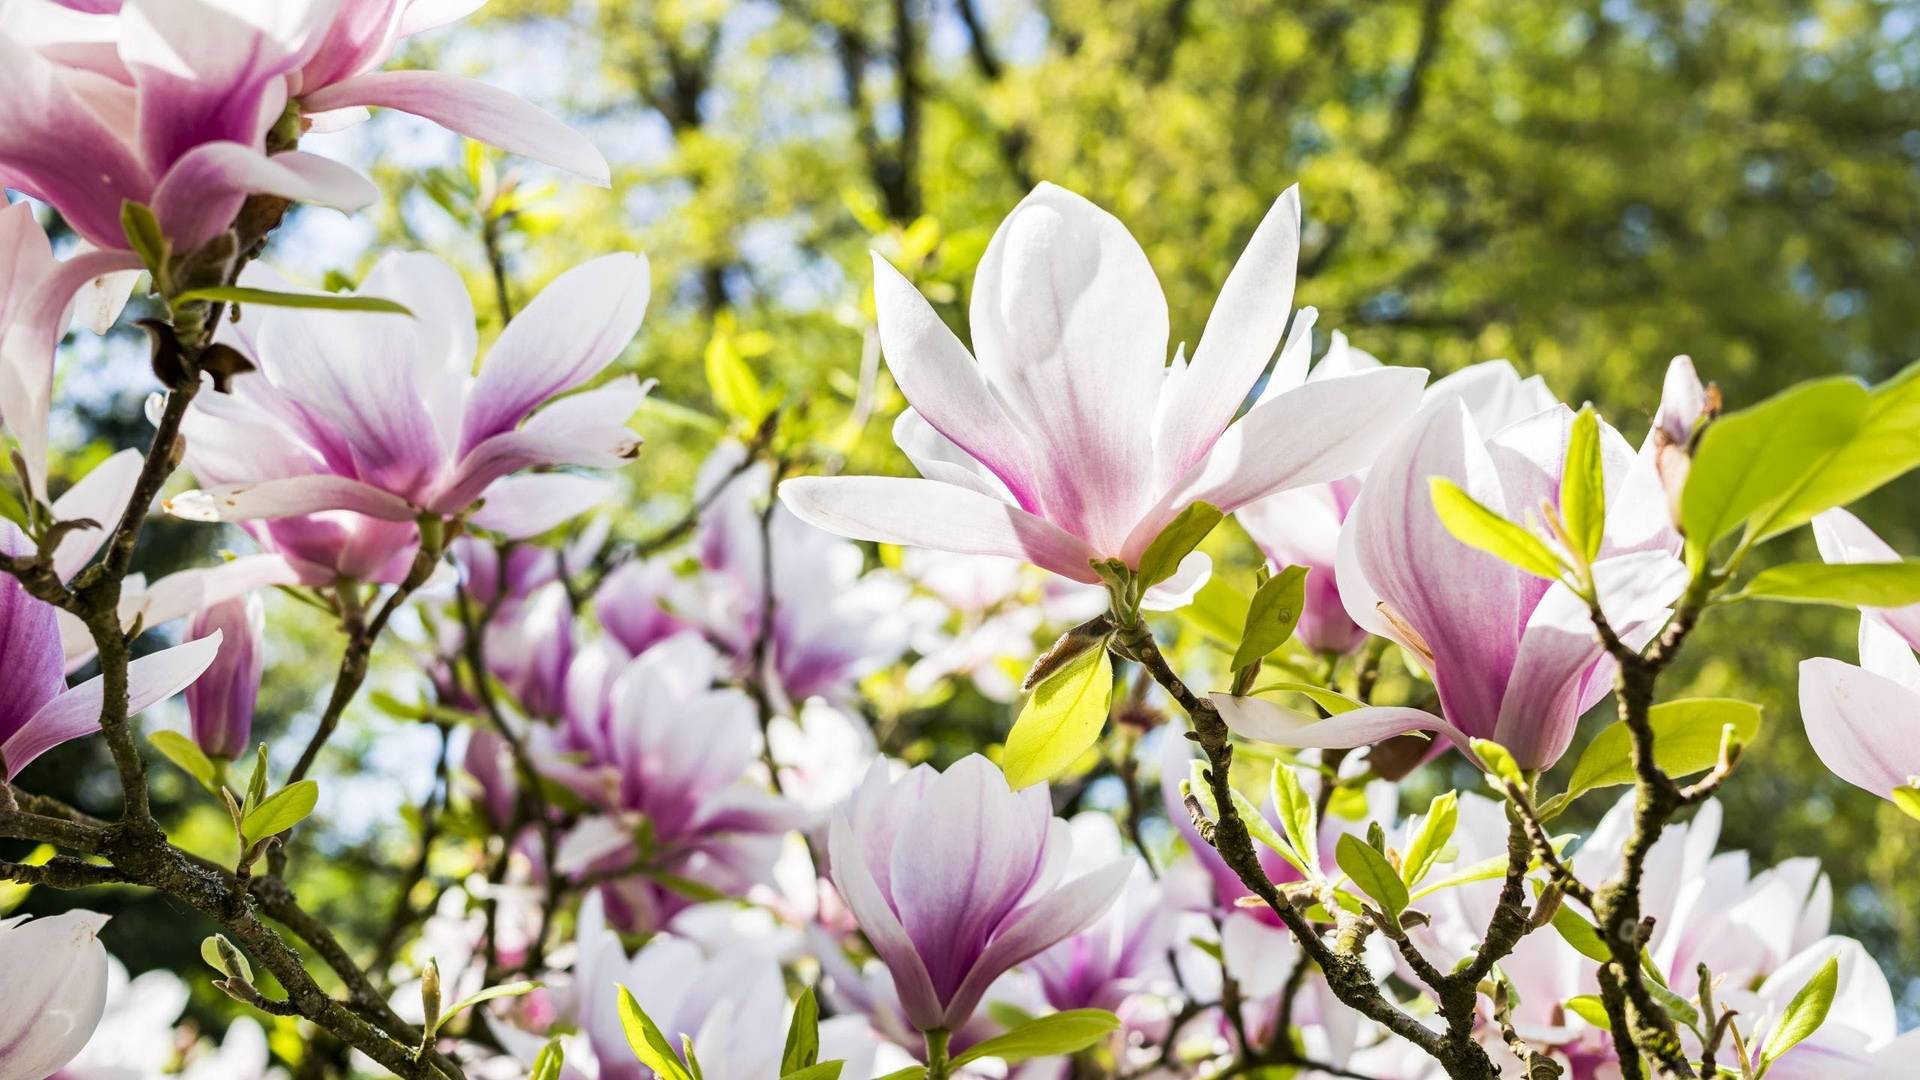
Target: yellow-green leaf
[1060, 720]
[1480, 528]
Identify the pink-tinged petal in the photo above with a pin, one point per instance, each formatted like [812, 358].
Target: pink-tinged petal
[188, 591]
[56, 148]
[292, 497]
[587, 429]
[940, 458]
[211, 70]
[76, 713]
[199, 196]
[101, 496]
[924, 513]
[852, 876]
[1494, 393]
[1179, 590]
[26, 256]
[424, 15]
[27, 348]
[474, 109]
[1463, 607]
[1844, 538]
[1046, 922]
[1683, 401]
[1270, 722]
[98, 304]
[1070, 329]
[1242, 330]
[1865, 727]
[947, 389]
[1314, 433]
[523, 506]
[91, 7]
[1885, 652]
[573, 329]
[973, 856]
[1544, 698]
[442, 338]
[54, 994]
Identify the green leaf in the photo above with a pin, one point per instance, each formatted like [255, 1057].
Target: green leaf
[1686, 740]
[647, 1041]
[281, 811]
[1061, 719]
[144, 236]
[240, 294]
[803, 1035]
[1499, 762]
[1298, 816]
[1805, 1013]
[1590, 1008]
[911, 1072]
[1580, 934]
[1176, 542]
[1879, 584]
[1430, 838]
[1479, 527]
[256, 783]
[1056, 1033]
[1753, 462]
[1334, 702]
[1272, 615]
[512, 989]
[824, 1070]
[1884, 446]
[1371, 871]
[1583, 492]
[1218, 610]
[693, 1061]
[735, 388]
[1262, 830]
[186, 754]
[1907, 798]
[547, 1064]
[1485, 870]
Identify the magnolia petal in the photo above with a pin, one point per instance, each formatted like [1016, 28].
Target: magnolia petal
[76, 712]
[528, 505]
[199, 196]
[1317, 432]
[1544, 697]
[1241, 332]
[87, 169]
[101, 496]
[1865, 727]
[929, 514]
[210, 70]
[573, 329]
[474, 109]
[940, 458]
[55, 991]
[1053, 918]
[1270, 722]
[1179, 590]
[871, 909]
[1844, 538]
[1070, 328]
[294, 496]
[587, 429]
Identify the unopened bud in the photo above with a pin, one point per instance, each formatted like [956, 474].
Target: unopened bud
[430, 996]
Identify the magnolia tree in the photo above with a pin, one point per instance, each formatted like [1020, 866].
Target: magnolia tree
[682, 780]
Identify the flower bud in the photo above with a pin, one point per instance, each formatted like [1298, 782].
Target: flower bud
[221, 701]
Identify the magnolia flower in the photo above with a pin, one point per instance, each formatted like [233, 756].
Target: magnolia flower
[39, 711]
[1125, 950]
[1864, 721]
[532, 650]
[947, 875]
[653, 740]
[54, 992]
[135, 1037]
[1513, 657]
[220, 702]
[731, 1005]
[382, 416]
[1070, 439]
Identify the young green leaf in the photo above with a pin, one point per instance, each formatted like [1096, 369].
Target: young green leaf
[281, 811]
[1686, 740]
[1590, 1008]
[1884, 446]
[1583, 495]
[1430, 838]
[1272, 615]
[1805, 1013]
[1372, 873]
[1499, 762]
[241, 294]
[648, 1043]
[1298, 816]
[1753, 461]
[1907, 798]
[1479, 527]
[1060, 720]
[548, 1063]
[823, 1070]
[1262, 830]
[145, 236]
[256, 783]
[911, 1072]
[504, 990]
[1056, 1033]
[1176, 542]
[803, 1035]
[1884, 584]
[1580, 934]
[186, 754]
[1333, 701]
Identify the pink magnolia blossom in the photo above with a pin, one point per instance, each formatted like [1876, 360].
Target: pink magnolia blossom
[355, 424]
[1069, 438]
[54, 993]
[220, 702]
[1864, 721]
[1513, 657]
[948, 875]
[1124, 952]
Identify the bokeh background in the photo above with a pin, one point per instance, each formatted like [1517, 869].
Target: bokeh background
[1586, 188]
